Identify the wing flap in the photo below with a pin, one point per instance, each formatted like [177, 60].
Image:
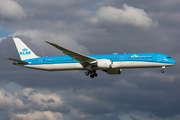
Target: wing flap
[15, 60]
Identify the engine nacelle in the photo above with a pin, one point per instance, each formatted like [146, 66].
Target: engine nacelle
[113, 71]
[104, 63]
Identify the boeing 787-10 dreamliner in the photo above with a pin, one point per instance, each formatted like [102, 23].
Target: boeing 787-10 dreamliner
[110, 63]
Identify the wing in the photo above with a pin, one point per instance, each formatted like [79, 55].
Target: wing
[83, 59]
[15, 60]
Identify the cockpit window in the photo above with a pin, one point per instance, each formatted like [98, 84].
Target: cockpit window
[168, 57]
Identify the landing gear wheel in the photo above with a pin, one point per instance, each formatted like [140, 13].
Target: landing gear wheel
[92, 76]
[92, 73]
[86, 73]
[162, 70]
[95, 74]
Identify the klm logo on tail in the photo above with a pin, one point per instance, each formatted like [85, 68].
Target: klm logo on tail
[25, 52]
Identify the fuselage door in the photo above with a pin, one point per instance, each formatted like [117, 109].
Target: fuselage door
[121, 58]
[159, 57]
[40, 61]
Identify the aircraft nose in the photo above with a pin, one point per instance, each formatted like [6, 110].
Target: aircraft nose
[174, 61]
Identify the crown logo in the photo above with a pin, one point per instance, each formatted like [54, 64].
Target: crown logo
[25, 49]
[134, 55]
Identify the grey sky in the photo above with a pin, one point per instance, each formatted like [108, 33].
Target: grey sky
[90, 27]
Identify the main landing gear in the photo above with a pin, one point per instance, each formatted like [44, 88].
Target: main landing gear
[92, 73]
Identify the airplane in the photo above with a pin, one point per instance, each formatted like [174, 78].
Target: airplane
[109, 63]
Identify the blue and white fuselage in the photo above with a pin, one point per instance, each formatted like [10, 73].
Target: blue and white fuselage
[121, 61]
[110, 63]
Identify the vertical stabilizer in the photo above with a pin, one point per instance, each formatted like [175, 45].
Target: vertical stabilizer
[23, 50]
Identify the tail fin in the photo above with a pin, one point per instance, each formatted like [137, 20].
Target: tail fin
[23, 50]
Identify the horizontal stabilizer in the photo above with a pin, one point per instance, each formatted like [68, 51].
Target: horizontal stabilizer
[15, 60]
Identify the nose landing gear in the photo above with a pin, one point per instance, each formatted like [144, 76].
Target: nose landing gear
[163, 67]
[92, 73]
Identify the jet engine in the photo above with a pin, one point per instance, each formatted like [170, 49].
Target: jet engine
[113, 71]
[104, 63]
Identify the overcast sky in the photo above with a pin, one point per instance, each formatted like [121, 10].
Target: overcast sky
[90, 27]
